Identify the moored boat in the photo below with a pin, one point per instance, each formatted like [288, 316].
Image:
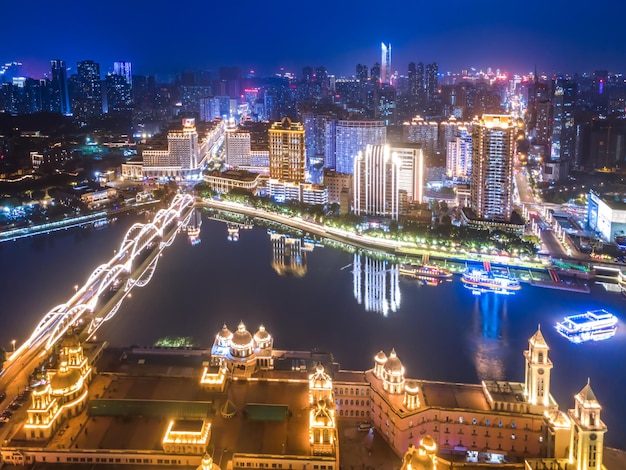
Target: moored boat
[480, 280]
[424, 271]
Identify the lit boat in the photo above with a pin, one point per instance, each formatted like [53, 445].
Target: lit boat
[596, 325]
[479, 281]
[423, 271]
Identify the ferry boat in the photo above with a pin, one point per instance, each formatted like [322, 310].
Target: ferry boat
[479, 281]
[595, 325]
[422, 271]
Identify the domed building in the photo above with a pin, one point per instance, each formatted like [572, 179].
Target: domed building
[393, 374]
[63, 395]
[241, 352]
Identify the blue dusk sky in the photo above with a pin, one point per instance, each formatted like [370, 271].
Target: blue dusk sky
[166, 37]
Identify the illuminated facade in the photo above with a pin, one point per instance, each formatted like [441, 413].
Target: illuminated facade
[419, 131]
[242, 353]
[491, 184]
[287, 151]
[352, 137]
[385, 61]
[64, 393]
[459, 155]
[377, 182]
[237, 148]
[411, 180]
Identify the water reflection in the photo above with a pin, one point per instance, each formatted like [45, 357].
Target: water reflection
[193, 227]
[489, 337]
[288, 255]
[375, 284]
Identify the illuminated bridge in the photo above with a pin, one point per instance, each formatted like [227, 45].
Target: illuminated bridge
[140, 241]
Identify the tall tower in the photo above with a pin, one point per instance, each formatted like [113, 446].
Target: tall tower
[563, 144]
[125, 69]
[287, 152]
[538, 367]
[87, 100]
[385, 68]
[493, 146]
[61, 100]
[377, 182]
[587, 434]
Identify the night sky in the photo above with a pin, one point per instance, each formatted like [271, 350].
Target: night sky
[164, 38]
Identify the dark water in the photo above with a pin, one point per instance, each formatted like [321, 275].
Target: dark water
[440, 333]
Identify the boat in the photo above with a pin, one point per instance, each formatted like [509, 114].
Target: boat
[480, 281]
[594, 325]
[422, 271]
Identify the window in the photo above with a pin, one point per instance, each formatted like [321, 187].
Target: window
[474, 421]
[486, 422]
[461, 419]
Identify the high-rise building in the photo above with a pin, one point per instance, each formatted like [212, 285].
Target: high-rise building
[493, 148]
[118, 93]
[125, 69]
[361, 73]
[411, 180]
[563, 130]
[385, 68]
[315, 126]
[375, 73]
[237, 144]
[87, 91]
[459, 155]
[377, 182]
[419, 131]
[60, 101]
[431, 86]
[352, 137]
[287, 151]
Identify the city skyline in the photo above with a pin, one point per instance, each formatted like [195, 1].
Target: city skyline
[265, 39]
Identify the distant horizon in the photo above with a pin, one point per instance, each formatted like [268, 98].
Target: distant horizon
[36, 68]
[265, 36]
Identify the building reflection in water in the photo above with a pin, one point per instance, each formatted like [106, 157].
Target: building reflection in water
[288, 255]
[193, 227]
[489, 335]
[376, 284]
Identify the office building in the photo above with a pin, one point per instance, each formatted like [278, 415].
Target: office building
[315, 128]
[336, 183]
[425, 133]
[493, 149]
[459, 155]
[385, 67]
[60, 101]
[125, 69]
[352, 137]
[237, 145]
[377, 182]
[209, 108]
[86, 96]
[118, 93]
[411, 178]
[287, 151]
[563, 145]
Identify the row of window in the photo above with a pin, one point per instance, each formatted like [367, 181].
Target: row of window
[340, 401]
[353, 413]
[279, 465]
[114, 460]
[352, 391]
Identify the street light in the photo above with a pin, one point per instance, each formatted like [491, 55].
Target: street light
[13, 343]
[75, 287]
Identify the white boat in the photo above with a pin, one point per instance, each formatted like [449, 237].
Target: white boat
[480, 280]
[595, 325]
[422, 271]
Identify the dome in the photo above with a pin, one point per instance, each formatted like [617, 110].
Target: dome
[381, 357]
[225, 333]
[262, 335]
[394, 365]
[66, 379]
[70, 340]
[411, 387]
[241, 337]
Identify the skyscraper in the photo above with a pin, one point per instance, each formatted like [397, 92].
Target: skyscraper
[431, 85]
[125, 69]
[491, 184]
[87, 93]
[563, 130]
[287, 155]
[352, 137]
[60, 97]
[385, 68]
[377, 182]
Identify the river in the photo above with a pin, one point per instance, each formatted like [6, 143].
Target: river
[319, 301]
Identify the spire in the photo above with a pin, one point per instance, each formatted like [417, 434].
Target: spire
[586, 394]
[537, 339]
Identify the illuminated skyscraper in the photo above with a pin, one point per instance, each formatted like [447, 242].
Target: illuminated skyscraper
[459, 155]
[60, 101]
[419, 131]
[287, 151]
[377, 182]
[563, 130]
[493, 148]
[411, 180]
[385, 68]
[124, 69]
[87, 93]
[352, 137]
